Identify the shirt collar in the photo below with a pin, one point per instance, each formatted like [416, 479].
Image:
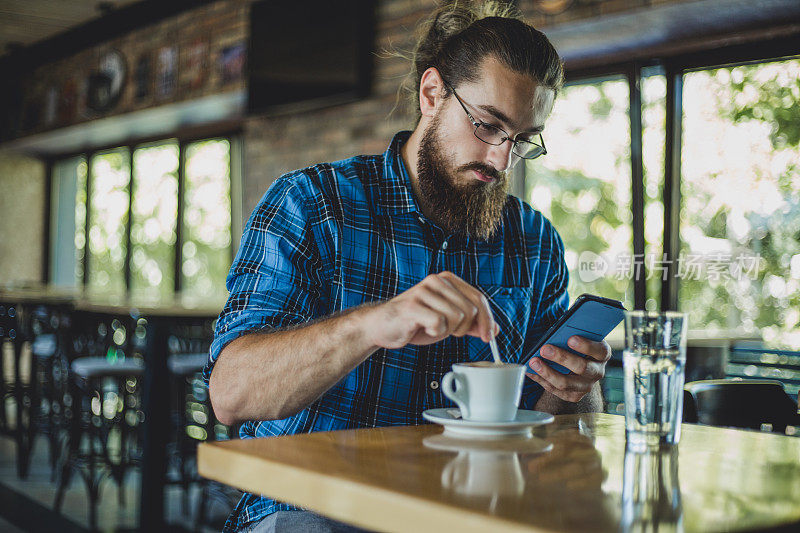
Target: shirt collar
[395, 193]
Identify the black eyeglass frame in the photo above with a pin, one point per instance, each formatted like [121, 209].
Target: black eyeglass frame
[478, 124]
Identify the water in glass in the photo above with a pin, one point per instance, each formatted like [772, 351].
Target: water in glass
[653, 396]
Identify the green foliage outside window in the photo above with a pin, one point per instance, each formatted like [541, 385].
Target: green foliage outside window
[741, 199]
[80, 219]
[207, 218]
[155, 208]
[108, 219]
[583, 184]
[740, 193]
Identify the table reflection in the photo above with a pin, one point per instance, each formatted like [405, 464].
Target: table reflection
[651, 494]
[530, 477]
[484, 473]
[486, 470]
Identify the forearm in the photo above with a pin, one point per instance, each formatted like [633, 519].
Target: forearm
[270, 376]
[591, 403]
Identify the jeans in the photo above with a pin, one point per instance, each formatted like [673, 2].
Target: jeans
[300, 521]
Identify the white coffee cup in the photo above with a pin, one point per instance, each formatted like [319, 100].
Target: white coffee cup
[485, 391]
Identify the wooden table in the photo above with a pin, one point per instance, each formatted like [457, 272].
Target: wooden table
[574, 476]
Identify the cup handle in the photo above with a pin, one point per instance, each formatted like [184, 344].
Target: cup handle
[458, 396]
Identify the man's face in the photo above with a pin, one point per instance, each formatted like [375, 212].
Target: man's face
[463, 180]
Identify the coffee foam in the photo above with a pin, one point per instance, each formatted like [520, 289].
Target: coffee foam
[485, 364]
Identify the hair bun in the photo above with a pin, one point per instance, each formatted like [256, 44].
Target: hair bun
[449, 22]
[460, 33]
[451, 19]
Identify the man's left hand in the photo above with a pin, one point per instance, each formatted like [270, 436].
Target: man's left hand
[586, 370]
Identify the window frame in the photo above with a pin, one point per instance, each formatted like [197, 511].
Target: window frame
[183, 140]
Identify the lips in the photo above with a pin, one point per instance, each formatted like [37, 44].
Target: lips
[483, 177]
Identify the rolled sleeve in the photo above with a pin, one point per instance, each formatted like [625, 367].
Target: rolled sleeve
[274, 281]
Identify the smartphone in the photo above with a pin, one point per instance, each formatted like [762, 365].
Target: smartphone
[590, 316]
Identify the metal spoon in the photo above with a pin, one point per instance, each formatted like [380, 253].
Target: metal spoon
[495, 351]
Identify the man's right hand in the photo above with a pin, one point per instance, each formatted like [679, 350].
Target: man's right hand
[439, 306]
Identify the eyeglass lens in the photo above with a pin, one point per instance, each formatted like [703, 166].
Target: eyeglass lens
[526, 148]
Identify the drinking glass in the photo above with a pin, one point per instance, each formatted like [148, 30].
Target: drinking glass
[654, 361]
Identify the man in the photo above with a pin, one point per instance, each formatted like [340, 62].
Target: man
[359, 283]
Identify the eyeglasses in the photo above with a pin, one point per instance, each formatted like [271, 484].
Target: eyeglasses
[524, 145]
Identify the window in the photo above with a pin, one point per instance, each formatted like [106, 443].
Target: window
[207, 217]
[125, 217]
[107, 243]
[68, 221]
[654, 91]
[583, 185]
[726, 182]
[155, 211]
[740, 214]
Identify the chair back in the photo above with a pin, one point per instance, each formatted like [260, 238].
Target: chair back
[743, 403]
[689, 409]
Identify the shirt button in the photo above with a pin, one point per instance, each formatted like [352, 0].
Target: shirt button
[434, 385]
[422, 220]
[444, 245]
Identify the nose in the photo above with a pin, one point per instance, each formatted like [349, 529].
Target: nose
[499, 156]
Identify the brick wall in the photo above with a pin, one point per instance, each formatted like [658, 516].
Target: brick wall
[208, 29]
[275, 145]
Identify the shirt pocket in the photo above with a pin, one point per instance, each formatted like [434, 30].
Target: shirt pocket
[511, 307]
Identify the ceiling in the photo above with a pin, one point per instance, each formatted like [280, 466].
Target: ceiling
[652, 31]
[24, 22]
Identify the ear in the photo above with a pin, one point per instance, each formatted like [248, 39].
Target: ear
[431, 89]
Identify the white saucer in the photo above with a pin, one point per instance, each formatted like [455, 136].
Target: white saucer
[456, 426]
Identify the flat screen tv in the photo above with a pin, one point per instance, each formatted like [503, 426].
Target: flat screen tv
[306, 54]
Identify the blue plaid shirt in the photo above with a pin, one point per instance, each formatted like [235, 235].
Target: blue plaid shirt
[337, 235]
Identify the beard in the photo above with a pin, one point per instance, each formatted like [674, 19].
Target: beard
[474, 209]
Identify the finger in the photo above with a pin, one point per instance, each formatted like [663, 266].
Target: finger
[579, 365]
[564, 382]
[568, 396]
[404, 319]
[447, 290]
[546, 385]
[422, 316]
[453, 315]
[597, 350]
[576, 363]
[484, 328]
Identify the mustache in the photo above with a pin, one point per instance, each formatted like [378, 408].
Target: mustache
[484, 169]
